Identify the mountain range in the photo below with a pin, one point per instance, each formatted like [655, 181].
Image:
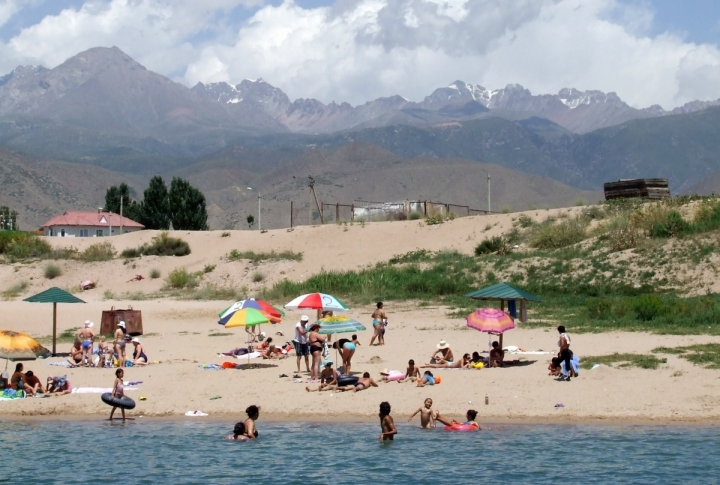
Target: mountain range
[102, 108]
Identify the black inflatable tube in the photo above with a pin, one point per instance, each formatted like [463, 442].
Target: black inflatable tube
[347, 381]
[122, 402]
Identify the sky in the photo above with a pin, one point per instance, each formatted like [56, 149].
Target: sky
[664, 52]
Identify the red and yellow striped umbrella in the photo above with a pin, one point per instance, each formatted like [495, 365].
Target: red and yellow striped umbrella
[490, 320]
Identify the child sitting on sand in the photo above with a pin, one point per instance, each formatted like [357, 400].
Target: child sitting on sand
[554, 367]
[427, 379]
[412, 373]
[328, 379]
[427, 415]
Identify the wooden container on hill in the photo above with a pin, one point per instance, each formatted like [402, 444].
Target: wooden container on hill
[654, 189]
[132, 319]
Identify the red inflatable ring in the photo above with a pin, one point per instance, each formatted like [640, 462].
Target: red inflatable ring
[461, 427]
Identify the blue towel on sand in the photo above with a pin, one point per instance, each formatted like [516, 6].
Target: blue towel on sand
[575, 362]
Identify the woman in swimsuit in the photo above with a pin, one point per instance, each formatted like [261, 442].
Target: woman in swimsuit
[386, 423]
[253, 413]
[139, 357]
[347, 350]
[463, 363]
[120, 343]
[379, 320]
[316, 342]
[118, 391]
[76, 354]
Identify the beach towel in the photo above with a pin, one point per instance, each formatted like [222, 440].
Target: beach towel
[209, 367]
[574, 362]
[60, 364]
[11, 394]
[251, 355]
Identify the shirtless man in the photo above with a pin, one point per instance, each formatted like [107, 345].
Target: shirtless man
[87, 337]
[427, 414]
[463, 363]
[328, 380]
[443, 354]
[76, 354]
[363, 383]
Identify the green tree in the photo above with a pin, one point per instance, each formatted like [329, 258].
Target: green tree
[155, 213]
[187, 206]
[112, 197]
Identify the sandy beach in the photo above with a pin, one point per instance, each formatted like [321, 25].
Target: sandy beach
[179, 340]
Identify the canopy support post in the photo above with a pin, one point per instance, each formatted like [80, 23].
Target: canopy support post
[54, 328]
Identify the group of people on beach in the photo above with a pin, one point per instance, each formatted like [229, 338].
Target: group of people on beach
[85, 354]
[29, 384]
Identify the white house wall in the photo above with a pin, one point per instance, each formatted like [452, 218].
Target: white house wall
[74, 231]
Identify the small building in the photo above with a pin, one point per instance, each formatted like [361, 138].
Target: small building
[89, 224]
[653, 189]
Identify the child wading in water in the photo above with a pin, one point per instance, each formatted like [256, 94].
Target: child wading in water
[427, 415]
[386, 422]
[118, 391]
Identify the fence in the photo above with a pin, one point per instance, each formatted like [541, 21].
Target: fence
[361, 210]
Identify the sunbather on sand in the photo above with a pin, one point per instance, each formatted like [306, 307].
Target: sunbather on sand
[273, 352]
[363, 383]
[427, 414]
[555, 368]
[463, 363]
[443, 354]
[328, 380]
[76, 355]
[137, 277]
[57, 386]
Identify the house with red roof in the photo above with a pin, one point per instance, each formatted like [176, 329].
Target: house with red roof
[89, 224]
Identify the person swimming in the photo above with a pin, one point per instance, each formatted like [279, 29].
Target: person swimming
[470, 416]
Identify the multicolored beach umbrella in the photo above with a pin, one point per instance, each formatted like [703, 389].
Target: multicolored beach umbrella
[490, 320]
[247, 317]
[339, 324]
[317, 301]
[263, 306]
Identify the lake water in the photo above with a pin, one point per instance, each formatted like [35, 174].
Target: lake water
[189, 452]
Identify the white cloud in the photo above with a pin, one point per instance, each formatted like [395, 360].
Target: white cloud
[8, 8]
[357, 50]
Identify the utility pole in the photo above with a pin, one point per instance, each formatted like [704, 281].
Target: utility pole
[121, 213]
[311, 185]
[488, 184]
[314, 197]
[259, 212]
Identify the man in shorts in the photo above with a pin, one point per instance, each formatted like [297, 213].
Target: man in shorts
[301, 344]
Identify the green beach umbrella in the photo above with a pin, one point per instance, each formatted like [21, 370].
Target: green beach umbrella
[54, 295]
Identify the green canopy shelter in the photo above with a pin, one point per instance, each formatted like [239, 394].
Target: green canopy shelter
[504, 292]
[54, 295]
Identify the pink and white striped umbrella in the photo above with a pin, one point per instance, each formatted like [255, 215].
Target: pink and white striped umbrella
[490, 320]
[317, 301]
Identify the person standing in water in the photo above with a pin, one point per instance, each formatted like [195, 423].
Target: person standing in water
[253, 413]
[379, 321]
[386, 423]
[118, 391]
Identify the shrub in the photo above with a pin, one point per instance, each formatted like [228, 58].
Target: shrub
[549, 235]
[524, 221]
[154, 273]
[209, 268]
[131, 253]
[257, 277]
[621, 233]
[490, 245]
[254, 257]
[415, 215]
[161, 245]
[52, 271]
[648, 307]
[179, 278]
[594, 212]
[674, 225]
[103, 251]
[16, 245]
[598, 308]
[433, 220]
[15, 289]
